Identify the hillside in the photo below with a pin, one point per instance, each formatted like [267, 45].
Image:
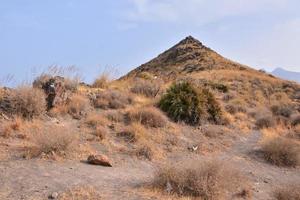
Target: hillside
[188, 56]
[189, 124]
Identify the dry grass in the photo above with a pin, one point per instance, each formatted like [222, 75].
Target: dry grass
[147, 116]
[145, 152]
[282, 152]
[100, 132]
[51, 140]
[24, 101]
[148, 88]
[81, 193]
[132, 133]
[112, 99]
[94, 120]
[288, 192]
[76, 106]
[102, 81]
[295, 120]
[209, 180]
[8, 127]
[114, 116]
[214, 131]
[266, 121]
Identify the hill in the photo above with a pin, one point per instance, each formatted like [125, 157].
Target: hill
[186, 57]
[285, 74]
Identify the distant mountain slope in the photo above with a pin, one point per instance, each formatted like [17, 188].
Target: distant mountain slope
[285, 74]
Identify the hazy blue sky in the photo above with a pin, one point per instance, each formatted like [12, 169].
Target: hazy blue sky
[93, 34]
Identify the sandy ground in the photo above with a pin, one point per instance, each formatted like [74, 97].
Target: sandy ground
[37, 179]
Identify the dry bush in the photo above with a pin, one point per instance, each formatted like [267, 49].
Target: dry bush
[5, 131]
[145, 152]
[295, 120]
[235, 108]
[148, 116]
[115, 116]
[282, 110]
[8, 127]
[214, 131]
[94, 120]
[282, 152]
[288, 192]
[112, 99]
[25, 101]
[80, 193]
[76, 106]
[102, 81]
[148, 88]
[209, 180]
[100, 132]
[51, 139]
[132, 133]
[266, 121]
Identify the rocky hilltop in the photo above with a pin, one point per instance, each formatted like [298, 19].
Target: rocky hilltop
[188, 56]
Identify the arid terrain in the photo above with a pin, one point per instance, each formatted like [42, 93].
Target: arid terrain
[189, 124]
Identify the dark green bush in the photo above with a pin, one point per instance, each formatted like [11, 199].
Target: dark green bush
[184, 102]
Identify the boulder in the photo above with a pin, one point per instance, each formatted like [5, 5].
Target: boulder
[99, 160]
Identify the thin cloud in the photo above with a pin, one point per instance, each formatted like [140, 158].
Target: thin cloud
[198, 11]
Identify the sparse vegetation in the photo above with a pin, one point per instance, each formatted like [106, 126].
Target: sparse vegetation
[208, 180]
[25, 101]
[132, 133]
[288, 192]
[282, 110]
[266, 121]
[112, 99]
[296, 120]
[148, 88]
[100, 132]
[94, 120]
[102, 81]
[149, 117]
[282, 152]
[51, 140]
[145, 152]
[81, 193]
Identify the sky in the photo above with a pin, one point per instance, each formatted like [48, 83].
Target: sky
[119, 35]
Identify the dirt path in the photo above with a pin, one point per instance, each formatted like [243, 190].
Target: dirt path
[35, 179]
[266, 177]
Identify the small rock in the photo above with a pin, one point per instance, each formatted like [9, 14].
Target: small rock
[54, 195]
[99, 160]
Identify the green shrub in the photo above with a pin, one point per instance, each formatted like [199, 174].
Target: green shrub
[184, 102]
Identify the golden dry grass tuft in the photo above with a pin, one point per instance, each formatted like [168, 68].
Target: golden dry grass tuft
[24, 101]
[51, 140]
[282, 152]
[112, 99]
[132, 133]
[147, 116]
[208, 180]
[148, 88]
[288, 192]
[76, 106]
[94, 120]
[102, 81]
[81, 193]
